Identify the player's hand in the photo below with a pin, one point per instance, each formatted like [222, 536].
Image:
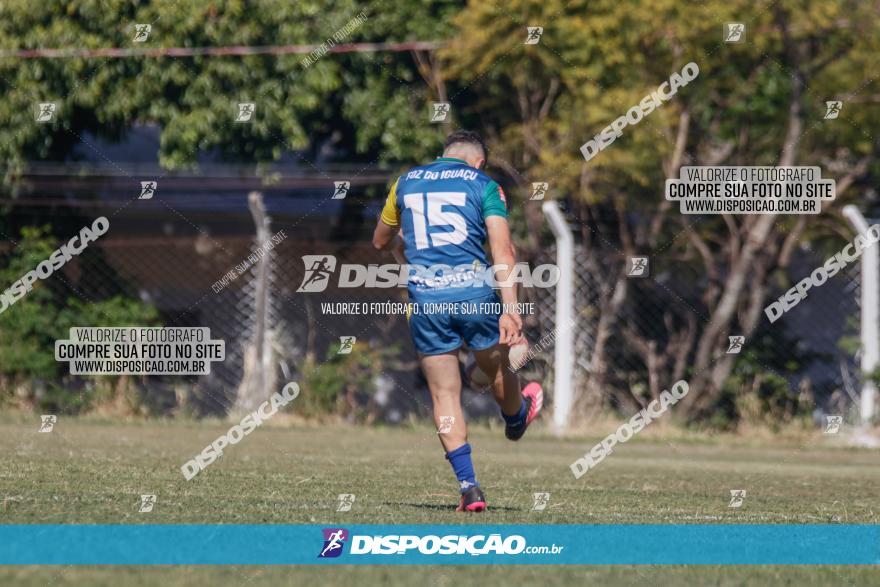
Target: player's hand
[509, 328]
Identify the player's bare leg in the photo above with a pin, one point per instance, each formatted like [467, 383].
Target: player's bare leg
[518, 408]
[504, 382]
[444, 381]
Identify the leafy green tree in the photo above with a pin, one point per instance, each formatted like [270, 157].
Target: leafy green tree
[757, 103]
[30, 326]
[375, 103]
[339, 385]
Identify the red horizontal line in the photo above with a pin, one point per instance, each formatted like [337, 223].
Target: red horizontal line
[216, 51]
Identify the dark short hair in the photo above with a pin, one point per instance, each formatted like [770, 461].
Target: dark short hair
[466, 136]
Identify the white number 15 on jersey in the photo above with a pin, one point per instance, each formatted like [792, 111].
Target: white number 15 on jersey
[434, 215]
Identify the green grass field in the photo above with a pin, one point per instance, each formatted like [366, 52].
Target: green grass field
[94, 472]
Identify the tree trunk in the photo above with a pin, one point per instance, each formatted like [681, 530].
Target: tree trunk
[707, 382]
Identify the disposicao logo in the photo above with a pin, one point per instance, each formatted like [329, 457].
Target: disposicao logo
[334, 540]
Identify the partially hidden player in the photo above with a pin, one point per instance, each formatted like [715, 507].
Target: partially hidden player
[445, 212]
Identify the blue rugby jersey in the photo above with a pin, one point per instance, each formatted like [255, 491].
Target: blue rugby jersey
[441, 210]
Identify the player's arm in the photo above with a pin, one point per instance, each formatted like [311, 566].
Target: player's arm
[386, 238]
[388, 224]
[504, 259]
[383, 236]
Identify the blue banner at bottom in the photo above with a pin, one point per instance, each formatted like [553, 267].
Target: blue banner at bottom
[161, 544]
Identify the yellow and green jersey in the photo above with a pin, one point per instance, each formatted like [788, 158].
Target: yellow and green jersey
[441, 210]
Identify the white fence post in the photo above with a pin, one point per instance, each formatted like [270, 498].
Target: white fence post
[870, 319]
[564, 356]
[259, 377]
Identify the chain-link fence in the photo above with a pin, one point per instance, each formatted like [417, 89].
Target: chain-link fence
[628, 326]
[198, 261]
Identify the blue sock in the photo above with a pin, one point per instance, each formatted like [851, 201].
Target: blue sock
[460, 459]
[518, 418]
